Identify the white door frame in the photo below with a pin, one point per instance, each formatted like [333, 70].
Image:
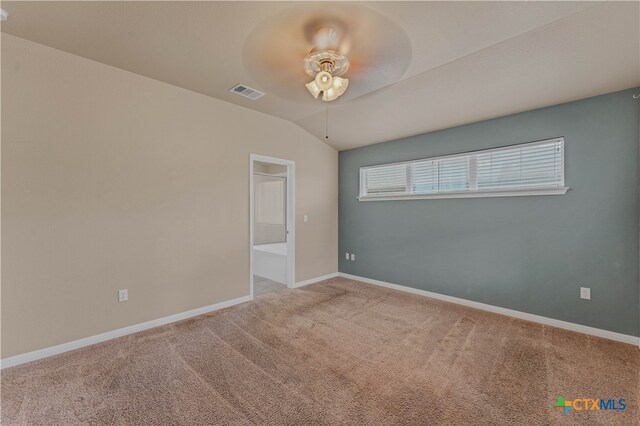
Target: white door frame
[291, 217]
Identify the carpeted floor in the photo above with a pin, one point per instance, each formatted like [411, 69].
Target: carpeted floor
[338, 352]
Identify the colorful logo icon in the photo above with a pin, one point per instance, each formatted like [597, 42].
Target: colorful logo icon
[563, 405]
[590, 404]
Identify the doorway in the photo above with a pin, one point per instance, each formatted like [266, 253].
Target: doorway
[271, 224]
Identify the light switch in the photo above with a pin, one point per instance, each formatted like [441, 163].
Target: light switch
[306, 218]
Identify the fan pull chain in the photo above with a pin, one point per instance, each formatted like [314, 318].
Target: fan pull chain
[326, 123]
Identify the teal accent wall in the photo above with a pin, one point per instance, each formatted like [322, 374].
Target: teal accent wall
[531, 254]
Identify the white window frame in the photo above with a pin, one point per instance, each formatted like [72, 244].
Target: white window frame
[473, 191]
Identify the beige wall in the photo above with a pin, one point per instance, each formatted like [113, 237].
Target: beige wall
[112, 180]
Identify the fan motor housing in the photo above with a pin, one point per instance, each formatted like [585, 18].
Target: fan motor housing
[325, 60]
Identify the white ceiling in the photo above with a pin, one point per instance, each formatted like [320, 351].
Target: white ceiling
[468, 61]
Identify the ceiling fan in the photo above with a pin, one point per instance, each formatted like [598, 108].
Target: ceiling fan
[326, 65]
[326, 42]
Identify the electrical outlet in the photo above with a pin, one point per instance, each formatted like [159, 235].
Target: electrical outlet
[346, 256]
[123, 295]
[306, 218]
[585, 293]
[353, 256]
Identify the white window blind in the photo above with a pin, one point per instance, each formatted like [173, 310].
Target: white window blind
[535, 168]
[526, 166]
[386, 180]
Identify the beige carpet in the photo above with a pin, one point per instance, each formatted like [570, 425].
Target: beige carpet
[339, 352]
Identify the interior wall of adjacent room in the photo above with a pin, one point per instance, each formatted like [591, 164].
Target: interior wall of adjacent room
[265, 233]
[112, 180]
[270, 208]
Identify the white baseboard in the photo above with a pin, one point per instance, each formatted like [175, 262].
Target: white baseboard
[625, 338]
[76, 344]
[91, 340]
[315, 280]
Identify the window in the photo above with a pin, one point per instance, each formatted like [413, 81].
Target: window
[535, 168]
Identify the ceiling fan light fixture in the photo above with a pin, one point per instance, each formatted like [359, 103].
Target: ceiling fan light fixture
[324, 80]
[330, 95]
[331, 87]
[340, 85]
[313, 89]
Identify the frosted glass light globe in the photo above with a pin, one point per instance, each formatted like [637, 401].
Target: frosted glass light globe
[324, 80]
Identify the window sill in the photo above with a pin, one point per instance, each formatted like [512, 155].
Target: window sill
[475, 194]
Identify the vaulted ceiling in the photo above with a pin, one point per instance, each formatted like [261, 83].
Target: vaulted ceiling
[461, 62]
